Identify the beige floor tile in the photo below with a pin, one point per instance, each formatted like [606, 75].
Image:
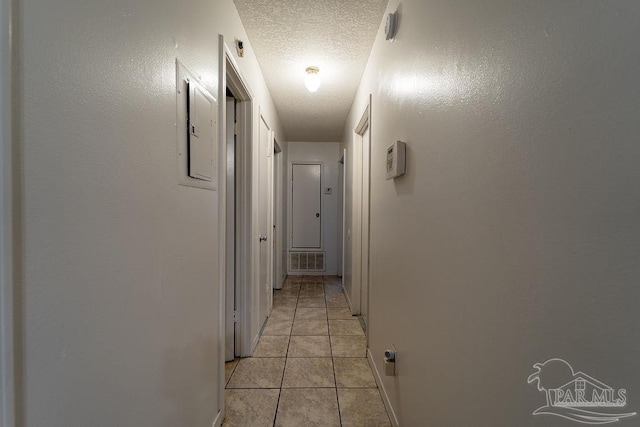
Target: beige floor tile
[286, 304]
[311, 313]
[255, 372]
[348, 346]
[316, 292]
[312, 279]
[285, 301]
[250, 407]
[308, 407]
[362, 408]
[282, 313]
[337, 300]
[277, 327]
[353, 372]
[345, 327]
[331, 291]
[228, 369]
[312, 286]
[287, 291]
[309, 327]
[311, 302]
[308, 372]
[309, 346]
[272, 346]
[339, 313]
[331, 279]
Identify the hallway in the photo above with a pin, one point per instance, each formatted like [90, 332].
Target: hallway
[475, 179]
[310, 366]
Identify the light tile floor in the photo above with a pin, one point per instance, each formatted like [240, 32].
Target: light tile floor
[310, 366]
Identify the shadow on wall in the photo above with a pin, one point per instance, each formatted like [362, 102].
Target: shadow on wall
[182, 376]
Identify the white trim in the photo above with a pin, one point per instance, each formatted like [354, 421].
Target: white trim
[255, 340]
[349, 303]
[244, 201]
[383, 392]
[217, 422]
[357, 254]
[7, 338]
[222, 224]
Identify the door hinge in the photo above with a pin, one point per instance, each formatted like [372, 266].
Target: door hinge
[235, 128]
[235, 317]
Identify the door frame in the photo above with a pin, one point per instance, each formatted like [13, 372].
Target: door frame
[9, 338]
[230, 76]
[360, 209]
[230, 230]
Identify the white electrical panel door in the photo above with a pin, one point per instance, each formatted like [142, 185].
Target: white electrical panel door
[306, 206]
[200, 134]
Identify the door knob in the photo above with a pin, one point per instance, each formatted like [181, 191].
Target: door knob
[263, 238]
[317, 215]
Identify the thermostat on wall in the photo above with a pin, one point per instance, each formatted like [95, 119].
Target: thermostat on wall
[396, 159]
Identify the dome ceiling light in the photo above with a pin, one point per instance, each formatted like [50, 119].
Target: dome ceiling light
[312, 80]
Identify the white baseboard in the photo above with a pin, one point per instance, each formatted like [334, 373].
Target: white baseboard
[349, 303]
[218, 421]
[383, 392]
[254, 343]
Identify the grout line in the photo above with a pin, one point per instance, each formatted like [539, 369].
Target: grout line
[275, 414]
[232, 371]
[295, 309]
[287, 355]
[335, 379]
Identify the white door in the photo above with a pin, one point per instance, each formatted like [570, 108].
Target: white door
[230, 325]
[305, 202]
[265, 222]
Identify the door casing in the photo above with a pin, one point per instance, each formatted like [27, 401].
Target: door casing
[360, 211]
[231, 78]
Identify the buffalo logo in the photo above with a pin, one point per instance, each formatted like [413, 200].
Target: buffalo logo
[568, 393]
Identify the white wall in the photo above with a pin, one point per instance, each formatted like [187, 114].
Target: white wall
[327, 153]
[118, 264]
[514, 236]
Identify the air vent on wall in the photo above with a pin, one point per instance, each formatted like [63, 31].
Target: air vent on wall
[306, 261]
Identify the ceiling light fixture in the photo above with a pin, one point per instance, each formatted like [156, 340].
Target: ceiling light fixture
[312, 81]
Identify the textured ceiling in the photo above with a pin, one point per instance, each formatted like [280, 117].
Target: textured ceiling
[288, 36]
